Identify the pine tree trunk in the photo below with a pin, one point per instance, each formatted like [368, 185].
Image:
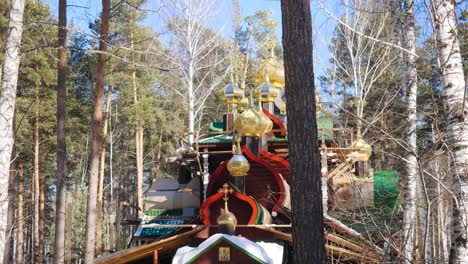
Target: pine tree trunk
[11, 63]
[96, 137]
[42, 195]
[455, 104]
[302, 133]
[37, 243]
[61, 174]
[411, 231]
[101, 174]
[138, 131]
[20, 218]
[68, 227]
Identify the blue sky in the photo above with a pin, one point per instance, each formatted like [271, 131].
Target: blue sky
[80, 12]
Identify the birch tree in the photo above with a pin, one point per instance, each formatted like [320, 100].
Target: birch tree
[196, 54]
[7, 107]
[411, 176]
[360, 58]
[454, 99]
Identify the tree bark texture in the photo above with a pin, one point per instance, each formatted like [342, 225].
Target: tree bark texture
[412, 180]
[302, 132]
[8, 250]
[61, 174]
[36, 185]
[11, 63]
[96, 137]
[68, 227]
[455, 106]
[138, 131]
[20, 218]
[101, 174]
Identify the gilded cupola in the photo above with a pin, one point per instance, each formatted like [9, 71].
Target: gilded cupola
[267, 91]
[364, 150]
[252, 123]
[272, 70]
[238, 165]
[232, 93]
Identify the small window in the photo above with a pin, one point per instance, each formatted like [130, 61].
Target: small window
[224, 254]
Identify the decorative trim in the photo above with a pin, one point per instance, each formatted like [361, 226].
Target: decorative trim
[277, 121]
[205, 208]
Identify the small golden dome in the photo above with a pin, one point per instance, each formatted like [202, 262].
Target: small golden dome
[238, 165]
[227, 218]
[274, 70]
[251, 123]
[232, 93]
[267, 91]
[365, 150]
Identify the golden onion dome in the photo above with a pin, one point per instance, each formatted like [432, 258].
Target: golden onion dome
[232, 93]
[364, 152]
[250, 123]
[242, 104]
[273, 70]
[267, 91]
[238, 165]
[227, 218]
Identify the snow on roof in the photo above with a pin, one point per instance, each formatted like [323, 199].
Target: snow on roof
[268, 253]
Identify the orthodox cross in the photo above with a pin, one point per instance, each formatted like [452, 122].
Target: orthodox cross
[226, 190]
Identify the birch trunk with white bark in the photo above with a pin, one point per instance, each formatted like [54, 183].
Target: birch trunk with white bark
[455, 106]
[410, 212]
[7, 106]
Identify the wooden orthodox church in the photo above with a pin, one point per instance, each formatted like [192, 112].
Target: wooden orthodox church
[231, 201]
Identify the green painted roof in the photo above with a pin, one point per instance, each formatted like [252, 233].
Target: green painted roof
[322, 122]
[216, 127]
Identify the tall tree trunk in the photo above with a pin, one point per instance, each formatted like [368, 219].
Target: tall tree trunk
[455, 104]
[303, 145]
[68, 227]
[61, 174]
[11, 205]
[101, 174]
[42, 195]
[20, 218]
[11, 63]
[410, 223]
[138, 130]
[37, 242]
[96, 137]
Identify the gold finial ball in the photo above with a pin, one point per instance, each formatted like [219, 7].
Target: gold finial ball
[238, 165]
[232, 93]
[365, 151]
